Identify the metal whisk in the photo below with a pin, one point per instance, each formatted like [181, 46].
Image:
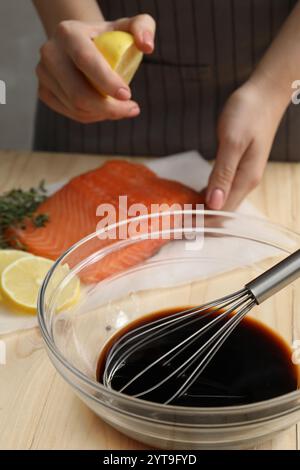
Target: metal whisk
[206, 340]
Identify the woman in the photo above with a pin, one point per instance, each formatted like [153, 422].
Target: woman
[205, 55]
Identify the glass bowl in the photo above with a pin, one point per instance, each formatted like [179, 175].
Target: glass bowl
[193, 266]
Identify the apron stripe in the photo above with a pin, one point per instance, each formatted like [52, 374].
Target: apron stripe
[163, 96]
[216, 63]
[252, 18]
[114, 127]
[293, 123]
[182, 113]
[197, 59]
[140, 10]
[234, 42]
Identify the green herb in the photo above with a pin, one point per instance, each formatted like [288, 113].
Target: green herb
[40, 220]
[18, 205]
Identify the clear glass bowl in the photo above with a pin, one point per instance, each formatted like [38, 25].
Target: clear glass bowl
[230, 250]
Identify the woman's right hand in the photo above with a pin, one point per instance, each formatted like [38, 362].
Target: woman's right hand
[70, 62]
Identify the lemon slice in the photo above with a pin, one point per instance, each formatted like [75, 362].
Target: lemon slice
[22, 279]
[121, 53]
[9, 256]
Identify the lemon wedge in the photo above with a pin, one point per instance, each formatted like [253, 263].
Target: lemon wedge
[9, 256]
[121, 53]
[22, 279]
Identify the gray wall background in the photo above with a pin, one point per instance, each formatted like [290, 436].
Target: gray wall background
[21, 36]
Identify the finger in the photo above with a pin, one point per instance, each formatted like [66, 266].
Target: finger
[115, 109]
[77, 88]
[91, 63]
[80, 93]
[111, 109]
[229, 154]
[143, 29]
[248, 176]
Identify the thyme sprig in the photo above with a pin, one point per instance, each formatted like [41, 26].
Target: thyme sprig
[18, 205]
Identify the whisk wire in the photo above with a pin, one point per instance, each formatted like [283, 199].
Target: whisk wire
[231, 309]
[176, 320]
[233, 321]
[219, 317]
[132, 335]
[206, 360]
[180, 348]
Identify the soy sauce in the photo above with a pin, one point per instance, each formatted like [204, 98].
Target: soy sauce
[254, 364]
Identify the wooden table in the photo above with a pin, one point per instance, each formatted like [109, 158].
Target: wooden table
[37, 409]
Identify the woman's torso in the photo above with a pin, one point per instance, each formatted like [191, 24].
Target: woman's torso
[204, 50]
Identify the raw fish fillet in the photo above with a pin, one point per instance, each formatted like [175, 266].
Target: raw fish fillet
[72, 214]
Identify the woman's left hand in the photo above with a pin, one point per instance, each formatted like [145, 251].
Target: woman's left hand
[246, 131]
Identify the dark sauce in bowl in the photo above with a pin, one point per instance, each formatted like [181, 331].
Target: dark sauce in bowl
[254, 364]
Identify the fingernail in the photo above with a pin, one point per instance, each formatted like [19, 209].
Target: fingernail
[134, 111]
[215, 199]
[148, 39]
[123, 94]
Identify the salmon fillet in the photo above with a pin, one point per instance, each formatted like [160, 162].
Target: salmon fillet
[72, 214]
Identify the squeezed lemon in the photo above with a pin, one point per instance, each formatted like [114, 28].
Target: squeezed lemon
[120, 51]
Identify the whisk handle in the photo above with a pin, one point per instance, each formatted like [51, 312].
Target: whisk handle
[276, 278]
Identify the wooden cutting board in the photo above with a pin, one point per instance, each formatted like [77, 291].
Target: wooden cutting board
[38, 410]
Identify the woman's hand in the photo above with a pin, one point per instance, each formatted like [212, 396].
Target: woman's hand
[246, 131]
[70, 62]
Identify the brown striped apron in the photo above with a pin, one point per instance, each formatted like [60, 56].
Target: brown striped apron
[204, 50]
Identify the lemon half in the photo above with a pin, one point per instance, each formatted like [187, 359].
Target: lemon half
[121, 53]
[22, 279]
